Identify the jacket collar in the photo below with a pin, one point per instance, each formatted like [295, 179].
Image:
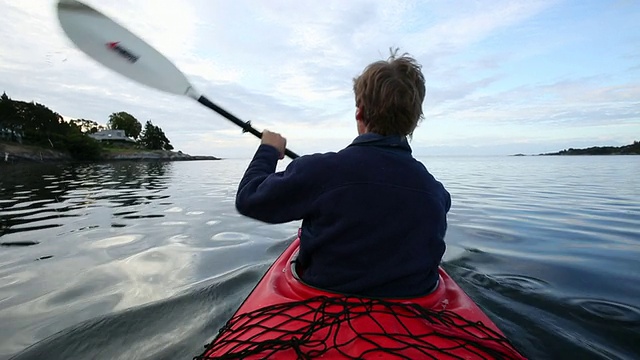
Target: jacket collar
[398, 142]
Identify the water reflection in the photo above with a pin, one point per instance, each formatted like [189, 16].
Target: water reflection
[175, 328]
[39, 197]
[147, 260]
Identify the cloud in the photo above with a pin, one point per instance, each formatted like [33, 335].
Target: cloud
[495, 70]
[532, 118]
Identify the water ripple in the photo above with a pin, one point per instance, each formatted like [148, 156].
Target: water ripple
[115, 241]
[605, 311]
[520, 283]
[19, 243]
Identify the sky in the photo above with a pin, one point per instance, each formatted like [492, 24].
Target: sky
[502, 76]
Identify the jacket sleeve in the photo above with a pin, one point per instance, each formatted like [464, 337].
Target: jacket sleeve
[274, 197]
[447, 201]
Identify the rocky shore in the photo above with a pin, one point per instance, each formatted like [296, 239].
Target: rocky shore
[16, 153]
[157, 155]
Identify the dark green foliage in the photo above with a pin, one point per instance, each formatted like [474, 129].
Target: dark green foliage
[125, 121]
[36, 124]
[153, 138]
[87, 126]
[9, 124]
[82, 147]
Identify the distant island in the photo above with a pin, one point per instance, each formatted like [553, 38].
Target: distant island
[631, 149]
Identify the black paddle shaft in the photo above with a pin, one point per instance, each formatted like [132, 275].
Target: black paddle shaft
[246, 126]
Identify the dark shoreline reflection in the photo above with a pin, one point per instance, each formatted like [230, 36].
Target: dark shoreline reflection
[39, 196]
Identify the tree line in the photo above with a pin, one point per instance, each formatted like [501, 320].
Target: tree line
[35, 124]
[631, 149]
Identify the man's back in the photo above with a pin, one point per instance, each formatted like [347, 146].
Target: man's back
[374, 219]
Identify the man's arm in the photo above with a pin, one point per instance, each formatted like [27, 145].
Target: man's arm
[274, 197]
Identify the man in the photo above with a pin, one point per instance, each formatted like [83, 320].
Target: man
[373, 217]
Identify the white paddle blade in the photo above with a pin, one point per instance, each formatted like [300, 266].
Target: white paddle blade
[118, 49]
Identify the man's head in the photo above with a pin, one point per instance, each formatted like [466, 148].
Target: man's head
[389, 96]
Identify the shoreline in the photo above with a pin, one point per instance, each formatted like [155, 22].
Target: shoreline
[11, 153]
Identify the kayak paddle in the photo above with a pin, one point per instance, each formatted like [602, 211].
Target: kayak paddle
[117, 48]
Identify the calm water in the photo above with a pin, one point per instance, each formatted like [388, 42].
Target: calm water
[147, 260]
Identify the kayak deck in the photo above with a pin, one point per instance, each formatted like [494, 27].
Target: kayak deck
[284, 318]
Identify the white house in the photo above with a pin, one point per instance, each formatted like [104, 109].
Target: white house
[111, 135]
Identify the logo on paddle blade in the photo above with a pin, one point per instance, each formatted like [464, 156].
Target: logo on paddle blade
[115, 46]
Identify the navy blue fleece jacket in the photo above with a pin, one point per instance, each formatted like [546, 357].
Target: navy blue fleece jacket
[373, 217]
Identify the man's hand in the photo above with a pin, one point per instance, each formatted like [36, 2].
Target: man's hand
[275, 140]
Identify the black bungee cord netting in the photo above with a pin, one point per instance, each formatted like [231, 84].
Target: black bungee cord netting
[351, 328]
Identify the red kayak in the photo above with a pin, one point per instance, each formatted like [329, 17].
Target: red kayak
[283, 318]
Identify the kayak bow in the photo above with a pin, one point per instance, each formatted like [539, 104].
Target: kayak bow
[285, 318]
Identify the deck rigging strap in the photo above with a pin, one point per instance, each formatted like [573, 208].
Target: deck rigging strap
[329, 326]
